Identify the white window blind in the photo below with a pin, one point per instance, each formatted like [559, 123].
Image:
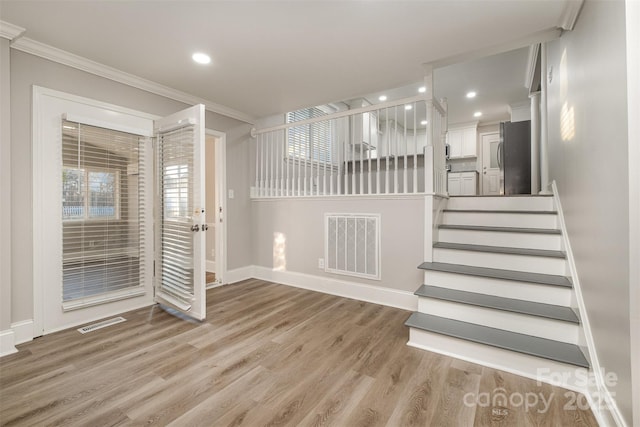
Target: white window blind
[103, 174]
[312, 141]
[352, 245]
[176, 168]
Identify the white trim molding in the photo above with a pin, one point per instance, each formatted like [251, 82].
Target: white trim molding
[7, 342]
[60, 56]
[570, 14]
[10, 31]
[532, 60]
[239, 274]
[22, 331]
[360, 291]
[599, 396]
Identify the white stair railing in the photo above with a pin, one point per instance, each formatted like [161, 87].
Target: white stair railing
[385, 149]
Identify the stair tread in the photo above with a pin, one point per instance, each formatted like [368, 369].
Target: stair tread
[549, 311]
[500, 249]
[495, 273]
[510, 211]
[501, 229]
[534, 346]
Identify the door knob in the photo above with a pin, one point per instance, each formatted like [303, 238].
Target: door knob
[485, 172]
[195, 227]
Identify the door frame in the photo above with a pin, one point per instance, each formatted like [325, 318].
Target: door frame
[40, 254]
[481, 156]
[221, 191]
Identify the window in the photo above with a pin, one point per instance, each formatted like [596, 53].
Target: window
[312, 141]
[90, 194]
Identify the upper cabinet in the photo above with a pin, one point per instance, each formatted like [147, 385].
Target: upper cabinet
[463, 141]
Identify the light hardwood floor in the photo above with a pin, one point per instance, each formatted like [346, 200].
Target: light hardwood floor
[268, 354]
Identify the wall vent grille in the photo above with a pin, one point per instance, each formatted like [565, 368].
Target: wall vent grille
[352, 245]
[100, 325]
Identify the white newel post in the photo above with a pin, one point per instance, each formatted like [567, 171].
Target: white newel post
[535, 142]
[544, 133]
[428, 159]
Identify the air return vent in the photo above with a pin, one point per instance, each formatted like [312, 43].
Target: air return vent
[100, 325]
[352, 245]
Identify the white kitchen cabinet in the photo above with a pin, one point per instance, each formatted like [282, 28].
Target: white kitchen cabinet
[462, 141]
[463, 183]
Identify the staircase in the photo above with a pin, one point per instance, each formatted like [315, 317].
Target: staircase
[497, 291]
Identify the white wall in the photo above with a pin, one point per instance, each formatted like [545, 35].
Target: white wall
[27, 70]
[588, 148]
[301, 222]
[5, 187]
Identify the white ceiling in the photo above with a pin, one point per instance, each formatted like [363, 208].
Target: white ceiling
[498, 80]
[270, 57]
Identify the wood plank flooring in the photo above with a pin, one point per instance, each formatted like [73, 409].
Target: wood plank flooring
[268, 355]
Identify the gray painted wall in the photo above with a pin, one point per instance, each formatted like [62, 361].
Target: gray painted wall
[5, 186]
[588, 159]
[301, 221]
[28, 70]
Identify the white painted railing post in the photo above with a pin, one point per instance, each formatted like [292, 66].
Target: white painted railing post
[544, 132]
[428, 160]
[535, 142]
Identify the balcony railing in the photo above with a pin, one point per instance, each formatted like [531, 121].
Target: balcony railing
[393, 148]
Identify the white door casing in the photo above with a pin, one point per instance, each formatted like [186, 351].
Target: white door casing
[49, 108]
[491, 173]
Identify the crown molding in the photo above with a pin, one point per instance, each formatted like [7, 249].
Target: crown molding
[60, 56]
[531, 65]
[10, 31]
[570, 14]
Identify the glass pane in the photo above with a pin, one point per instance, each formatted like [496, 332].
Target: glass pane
[72, 193]
[102, 195]
[494, 154]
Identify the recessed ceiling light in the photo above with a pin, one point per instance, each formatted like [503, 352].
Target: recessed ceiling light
[408, 107]
[424, 122]
[471, 94]
[201, 58]
[477, 114]
[422, 89]
[382, 98]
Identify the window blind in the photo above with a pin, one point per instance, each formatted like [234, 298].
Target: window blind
[311, 141]
[103, 175]
[176, 169]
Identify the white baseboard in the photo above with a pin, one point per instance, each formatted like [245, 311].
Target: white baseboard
[239, 274]
[23, 331]
[7, 342]
[211, 266]
[375, 294]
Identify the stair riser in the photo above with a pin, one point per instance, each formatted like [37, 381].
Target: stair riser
[497, 358]
[515, 322]
[502, 203]
[501, 288]
[500, 238]
[531, 264]
[496, 219]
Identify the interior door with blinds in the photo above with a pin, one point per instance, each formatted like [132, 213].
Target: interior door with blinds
[180, 212]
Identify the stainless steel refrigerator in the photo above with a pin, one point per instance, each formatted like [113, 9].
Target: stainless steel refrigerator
[515, 157]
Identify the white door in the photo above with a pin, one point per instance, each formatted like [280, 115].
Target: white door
[491, 173]
[180, 213]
